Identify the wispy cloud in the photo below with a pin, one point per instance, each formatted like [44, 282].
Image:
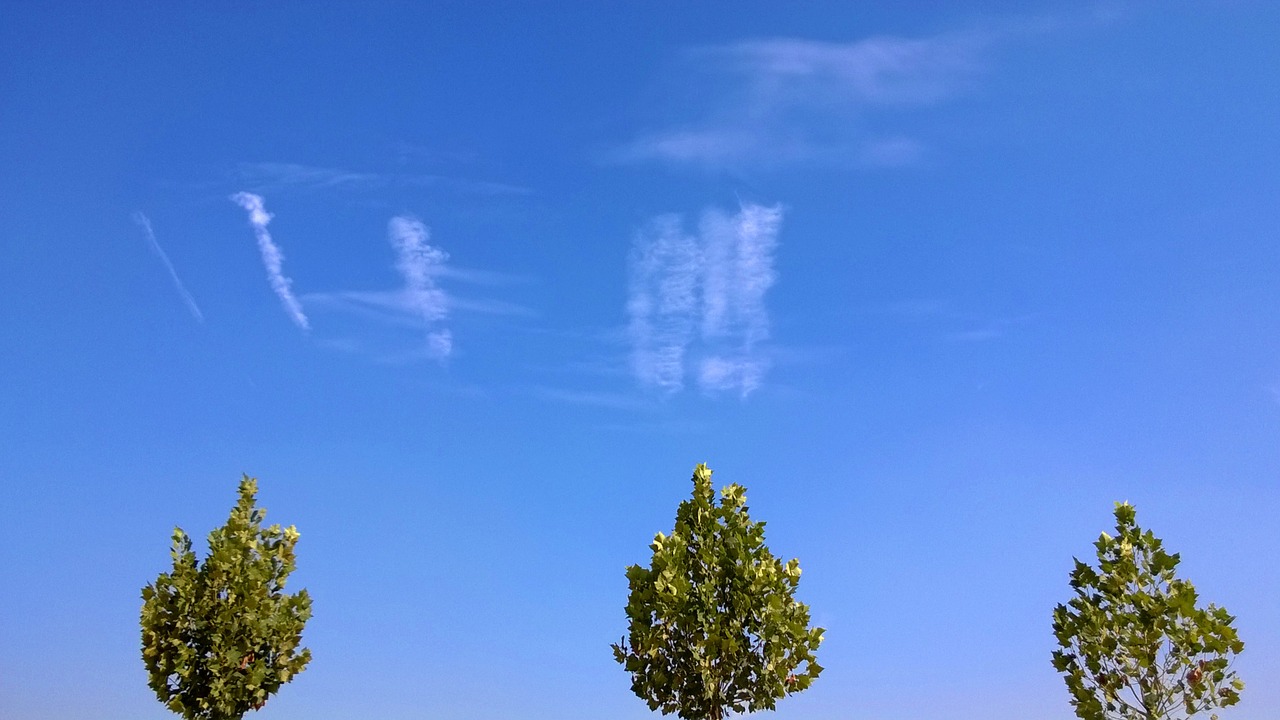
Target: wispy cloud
[145, 223]
[272, 258]
[423, 304]
[279, 176]
[878, 71]
[709, 287]
[787, 100]
[418, 261]
[387, 307]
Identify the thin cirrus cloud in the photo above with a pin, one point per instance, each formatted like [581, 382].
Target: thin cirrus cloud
[145, 223]
[696, 302]
[272, 258]
[784, 100]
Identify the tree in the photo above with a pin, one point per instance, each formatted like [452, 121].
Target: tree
[220, 637]
[1133, 643]
[714, 626]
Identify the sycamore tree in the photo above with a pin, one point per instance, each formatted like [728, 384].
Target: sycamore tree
[1133, 643]
[714, 624]
[221, 636]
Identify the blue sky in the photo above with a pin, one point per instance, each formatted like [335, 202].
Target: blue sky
[472, 290]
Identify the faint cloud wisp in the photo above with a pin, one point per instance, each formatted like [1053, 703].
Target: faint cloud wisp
[272, 258]
[947, 322]
[145, 223]
[279, 176]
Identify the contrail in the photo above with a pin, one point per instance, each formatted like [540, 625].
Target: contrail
[145, 223]
[272, 258]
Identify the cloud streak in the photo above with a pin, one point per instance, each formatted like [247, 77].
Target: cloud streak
[708, 287]
[145, 223]
[419, 262]
[422, 308]
[272, 258]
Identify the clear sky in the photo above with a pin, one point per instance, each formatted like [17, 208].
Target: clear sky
[472, 287]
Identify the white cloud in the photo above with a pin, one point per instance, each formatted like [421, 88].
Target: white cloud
[418, 262]
[720, 374]
[787, 100]
[738, 271]
[145, 223]
[704, 146]
[440, 343]
[422, 305]
[272, 258]
[878, 71]
[710, 287]
[665, 264]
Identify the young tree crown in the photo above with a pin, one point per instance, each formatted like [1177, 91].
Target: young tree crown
[219, 637]
[1133, 643]
[714, 624]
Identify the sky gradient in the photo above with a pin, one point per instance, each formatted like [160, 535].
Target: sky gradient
[471, 291]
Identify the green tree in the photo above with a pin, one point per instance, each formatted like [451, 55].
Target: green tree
[1133, 643]
[714, 625]
[220, 637]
